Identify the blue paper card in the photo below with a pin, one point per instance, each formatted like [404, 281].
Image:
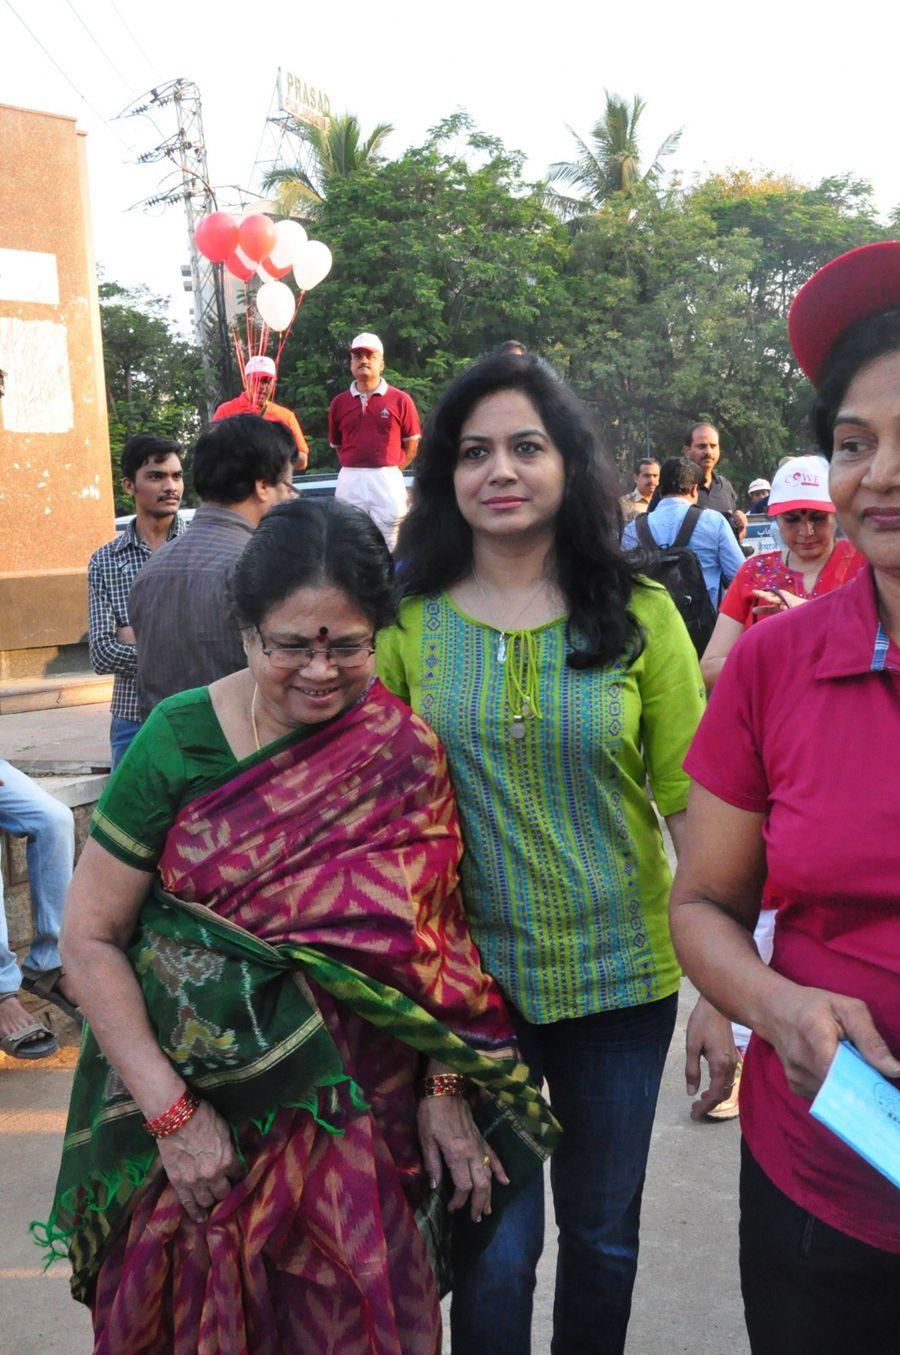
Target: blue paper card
[862, 1108]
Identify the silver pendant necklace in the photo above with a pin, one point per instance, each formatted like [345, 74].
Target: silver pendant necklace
[504, 630]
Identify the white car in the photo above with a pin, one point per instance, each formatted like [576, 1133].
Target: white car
[310, 486]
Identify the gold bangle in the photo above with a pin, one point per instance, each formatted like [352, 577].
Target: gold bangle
[444, 1084]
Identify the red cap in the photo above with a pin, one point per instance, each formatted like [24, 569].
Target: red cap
[863, 282]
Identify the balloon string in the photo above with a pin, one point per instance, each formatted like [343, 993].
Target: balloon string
[286, 332]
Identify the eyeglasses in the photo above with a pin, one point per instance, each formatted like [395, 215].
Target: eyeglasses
[344, 657]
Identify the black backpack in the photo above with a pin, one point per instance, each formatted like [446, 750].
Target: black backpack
[678, 569]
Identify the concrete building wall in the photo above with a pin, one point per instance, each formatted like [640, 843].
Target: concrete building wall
[56, 501]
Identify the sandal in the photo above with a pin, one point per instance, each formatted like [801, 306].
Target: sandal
[46, 987]
[31, 1042]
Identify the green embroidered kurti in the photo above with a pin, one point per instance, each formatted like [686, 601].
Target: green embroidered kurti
[565, 879]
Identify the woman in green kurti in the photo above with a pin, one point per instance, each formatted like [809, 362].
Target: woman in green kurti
[560, 683]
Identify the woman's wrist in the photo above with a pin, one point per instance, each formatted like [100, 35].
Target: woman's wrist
[172, 1119]
[768, 1007]
[443, 1084]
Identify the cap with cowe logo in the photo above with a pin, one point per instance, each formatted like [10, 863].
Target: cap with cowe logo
[801, 482]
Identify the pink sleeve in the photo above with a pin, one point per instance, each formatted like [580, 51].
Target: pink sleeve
[726, 755]
[409, 419]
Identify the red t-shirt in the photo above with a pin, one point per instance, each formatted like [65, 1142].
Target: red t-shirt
[767, 570]
[802, 726]
[371, 436]
[275, 413]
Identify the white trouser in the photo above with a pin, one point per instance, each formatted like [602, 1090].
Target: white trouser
[380, 492]
[764, 936]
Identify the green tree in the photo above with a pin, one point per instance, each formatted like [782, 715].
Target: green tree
[444, 253]
[680, 309]
[609, 163]
[155, 381]
[337, 151]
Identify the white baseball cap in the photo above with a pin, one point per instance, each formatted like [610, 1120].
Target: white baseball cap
[369, 341]
[261, 366]
[801, 482]
[758, 484]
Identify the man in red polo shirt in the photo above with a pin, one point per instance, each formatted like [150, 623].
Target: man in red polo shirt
[375, 430]
[260, 375]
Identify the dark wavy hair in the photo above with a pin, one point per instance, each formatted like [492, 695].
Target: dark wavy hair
[862, 343]
[307, 542]
[435, 544]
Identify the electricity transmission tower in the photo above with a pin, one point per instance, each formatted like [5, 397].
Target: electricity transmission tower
[185, 149]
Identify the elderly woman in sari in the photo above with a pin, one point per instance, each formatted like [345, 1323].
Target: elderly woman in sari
[266, 934]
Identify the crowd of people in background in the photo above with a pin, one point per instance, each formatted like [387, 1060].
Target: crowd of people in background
[393, 772]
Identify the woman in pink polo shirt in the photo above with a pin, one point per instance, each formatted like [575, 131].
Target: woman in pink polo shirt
[810, 563]
[806, 707]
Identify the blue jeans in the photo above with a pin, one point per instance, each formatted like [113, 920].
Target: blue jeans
[28, 811]
[603, 1073]
[121, 732]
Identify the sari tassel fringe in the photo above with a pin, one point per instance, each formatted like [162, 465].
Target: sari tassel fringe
[96, 1196]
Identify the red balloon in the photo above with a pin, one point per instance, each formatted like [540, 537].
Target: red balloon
[256, 236]
[239, 269]
[274, 272]
[216, 236]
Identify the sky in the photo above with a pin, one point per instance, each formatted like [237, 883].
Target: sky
[770, 85]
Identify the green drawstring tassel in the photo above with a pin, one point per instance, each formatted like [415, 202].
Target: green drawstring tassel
[521, 679]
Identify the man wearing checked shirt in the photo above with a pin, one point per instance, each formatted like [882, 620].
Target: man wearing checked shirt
[151, 472]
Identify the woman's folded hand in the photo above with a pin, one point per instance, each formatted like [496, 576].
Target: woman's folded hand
[806, 1026]
[447, 1131]
[200, 1161]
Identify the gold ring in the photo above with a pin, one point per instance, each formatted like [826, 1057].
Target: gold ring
[485, 1161]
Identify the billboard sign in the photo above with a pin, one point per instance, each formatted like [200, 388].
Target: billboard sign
[302, 101]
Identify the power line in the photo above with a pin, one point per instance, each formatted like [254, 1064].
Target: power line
[150, 65]
[112, 65]
[70, 82]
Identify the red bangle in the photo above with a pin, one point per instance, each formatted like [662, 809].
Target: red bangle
[178, 1114]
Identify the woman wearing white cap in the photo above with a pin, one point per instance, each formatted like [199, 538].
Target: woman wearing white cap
[810, 563]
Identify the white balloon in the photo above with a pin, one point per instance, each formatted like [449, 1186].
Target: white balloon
[275, 303]
[245, 260]
[312, 265]
[263, 275]
[291, 239]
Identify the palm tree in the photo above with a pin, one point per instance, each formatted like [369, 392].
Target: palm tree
[336, 151]
[610, 162]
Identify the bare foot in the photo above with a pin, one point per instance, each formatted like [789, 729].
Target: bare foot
[13, 1017]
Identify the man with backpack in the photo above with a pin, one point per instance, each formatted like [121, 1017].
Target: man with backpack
[691, 550]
